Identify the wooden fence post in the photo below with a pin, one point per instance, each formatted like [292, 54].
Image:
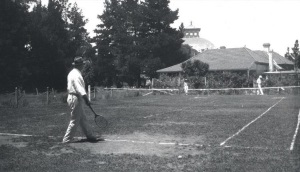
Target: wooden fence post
[47, 95]
[37, 91]
[16, 96]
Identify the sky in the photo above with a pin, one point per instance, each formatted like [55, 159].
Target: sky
[229, 23]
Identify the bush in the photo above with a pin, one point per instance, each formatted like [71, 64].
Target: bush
[277, 81]
[166, 81]
[194, 71]
[228, 80]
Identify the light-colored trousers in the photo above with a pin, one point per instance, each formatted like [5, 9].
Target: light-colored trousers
[260, 90]
[78, 117]
[186, 89]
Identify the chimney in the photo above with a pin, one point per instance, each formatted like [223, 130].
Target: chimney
[269, 52]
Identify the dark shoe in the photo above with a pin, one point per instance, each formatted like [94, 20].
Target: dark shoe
[94, 139]
[100, 139]
[91, 139]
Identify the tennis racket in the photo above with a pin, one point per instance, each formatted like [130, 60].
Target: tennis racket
[100, 120]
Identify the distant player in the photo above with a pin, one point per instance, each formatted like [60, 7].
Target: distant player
[258, 81]
[148, 83]
[185, 87]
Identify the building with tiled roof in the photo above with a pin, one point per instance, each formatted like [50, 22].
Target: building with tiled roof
[235, 59]
[192, 38]
[278, 59]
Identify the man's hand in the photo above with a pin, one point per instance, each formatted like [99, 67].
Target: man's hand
[85, 98]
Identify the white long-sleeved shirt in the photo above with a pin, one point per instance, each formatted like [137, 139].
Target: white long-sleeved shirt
[76, 83]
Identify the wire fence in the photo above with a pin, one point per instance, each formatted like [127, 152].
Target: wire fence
[105, 93]
[285, 90]
[19, 98]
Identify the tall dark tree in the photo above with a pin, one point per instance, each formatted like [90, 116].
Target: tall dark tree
[105, 69]
[13, 40]
[78, 35]
[296, 54]
[288, 55]
[37, 46]
[57, 36]
[49, 42]
[79, 41]
[181, 29]
[162, 41]
[136, 38]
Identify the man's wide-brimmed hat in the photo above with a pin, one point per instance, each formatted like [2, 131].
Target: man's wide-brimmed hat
[78, 61]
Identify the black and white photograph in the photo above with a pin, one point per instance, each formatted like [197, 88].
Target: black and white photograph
[150, 85]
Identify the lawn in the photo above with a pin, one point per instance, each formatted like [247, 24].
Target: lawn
[157, 133]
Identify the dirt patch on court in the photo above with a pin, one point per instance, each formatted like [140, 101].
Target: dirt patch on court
[144, 144]
[136, 143]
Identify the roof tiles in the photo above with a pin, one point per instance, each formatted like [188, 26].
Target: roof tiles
[230, 59]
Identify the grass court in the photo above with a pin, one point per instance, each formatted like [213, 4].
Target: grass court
[158, 133]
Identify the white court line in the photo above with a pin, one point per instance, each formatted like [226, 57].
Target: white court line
[20, 135]
[249, 147]
[296, 132]
[200, 97]
[111, 140]
[237, 133]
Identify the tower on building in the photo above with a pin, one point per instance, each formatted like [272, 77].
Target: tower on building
[192, 38]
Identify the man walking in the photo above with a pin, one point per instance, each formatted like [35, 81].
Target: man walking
[76, 99]
[258, 81]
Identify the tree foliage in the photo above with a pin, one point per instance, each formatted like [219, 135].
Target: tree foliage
[135, 38]
[13, 38]
[49, 42]
[296, 54]
[194, 70]
[38, 46]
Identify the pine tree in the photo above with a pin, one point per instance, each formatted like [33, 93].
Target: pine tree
[13, 40]
[49, 41]
[136, 38]
[296, 54]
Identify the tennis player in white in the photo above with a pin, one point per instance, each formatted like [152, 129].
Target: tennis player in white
[258, 81]
[185, 87]
[76, 98]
